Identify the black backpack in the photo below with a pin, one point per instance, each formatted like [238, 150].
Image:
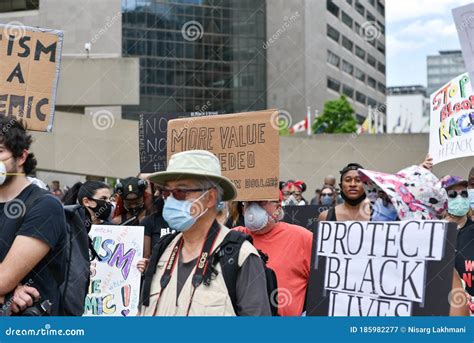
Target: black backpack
[227, 254]
[74, 283]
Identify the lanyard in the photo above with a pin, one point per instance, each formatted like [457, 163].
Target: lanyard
[201, 264]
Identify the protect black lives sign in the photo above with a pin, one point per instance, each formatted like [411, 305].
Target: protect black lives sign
[381, 268]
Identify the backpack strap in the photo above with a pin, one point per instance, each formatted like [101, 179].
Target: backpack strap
[331, 217]
[158, 250]
[228, 255]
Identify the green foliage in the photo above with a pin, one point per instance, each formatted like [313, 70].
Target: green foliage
[337, 117]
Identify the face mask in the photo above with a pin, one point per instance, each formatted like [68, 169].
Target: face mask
[255, 217]
[384, 213]
[471, 197]
[178, 213]
[326, 200]
[291, 201]
[458, 206]
[134, 211]
[103, 209]
[353, 202]
[4, 177]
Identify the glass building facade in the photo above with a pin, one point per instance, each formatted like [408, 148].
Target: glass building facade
[443, 68]
[196, 55]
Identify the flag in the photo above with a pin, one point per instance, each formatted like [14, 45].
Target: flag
[365, 127]
[301, 126]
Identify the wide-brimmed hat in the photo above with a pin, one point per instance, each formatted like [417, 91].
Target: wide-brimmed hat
[414, 191]
[195, 165]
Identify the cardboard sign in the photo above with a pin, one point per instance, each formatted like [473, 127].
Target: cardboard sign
[247, 145]
[381, 268]
[152, 141]
[464, 20]
[452, 120]
[115, 280]
[305, 216]
[30, 61]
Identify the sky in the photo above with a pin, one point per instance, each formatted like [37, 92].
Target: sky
[416, 29]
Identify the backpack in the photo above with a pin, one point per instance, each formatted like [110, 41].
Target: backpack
[74, 282]
[227, 254]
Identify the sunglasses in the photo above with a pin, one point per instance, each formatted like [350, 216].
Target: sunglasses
[291, 193]
[180, 193]
[454, 194]
[326, 194]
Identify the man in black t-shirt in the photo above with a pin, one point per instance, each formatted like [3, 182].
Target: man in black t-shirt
[31, 254]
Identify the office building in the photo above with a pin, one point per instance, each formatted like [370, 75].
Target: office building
[444, 67]
[408, 110]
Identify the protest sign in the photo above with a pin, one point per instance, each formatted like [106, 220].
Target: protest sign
[115, 280]
[247, 145]
[152, 131]
[464, 20]
[305, 216]
[452, 120]
[381, 268]
[30, 61]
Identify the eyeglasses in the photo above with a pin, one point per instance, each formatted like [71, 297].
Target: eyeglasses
[180, 193]
[454, 194]
[291, 193]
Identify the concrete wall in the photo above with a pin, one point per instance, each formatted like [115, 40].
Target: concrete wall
[311, 159]
[82, 21]
[97, 145]
[99, 82]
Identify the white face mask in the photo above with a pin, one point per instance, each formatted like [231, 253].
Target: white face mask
[256, 218]
[3, 172]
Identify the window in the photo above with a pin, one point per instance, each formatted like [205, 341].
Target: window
[371, 102]
[347, 43]
[347, 67]
[372, 2]
[334, 84]
[332, 7]
[382, 88]
[360, 8]
[348, 91]
[349, 2]
[360, 52]
[381, 8]
[381, 68]
[371, 82]
[381, 47]
[370, 16]
[382, 27]
[371, 60]
[361, 98]
[360, 75]
[18, 5]
[333, 33]
[357, 28]
[333, 59]
[346, 19]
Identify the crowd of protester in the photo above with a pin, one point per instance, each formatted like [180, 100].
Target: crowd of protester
[188, 213]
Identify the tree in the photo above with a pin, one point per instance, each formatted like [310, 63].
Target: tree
[337, 117]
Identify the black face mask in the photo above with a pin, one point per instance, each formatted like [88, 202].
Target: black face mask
[135, 211]
[103, 209]
[353, 202]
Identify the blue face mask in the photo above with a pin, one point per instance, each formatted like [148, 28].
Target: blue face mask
[458, 206]
[471, 197]
[326, 200]
[178, 213]
[384, 213]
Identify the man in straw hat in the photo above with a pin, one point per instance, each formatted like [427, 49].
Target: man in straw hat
[182, 277]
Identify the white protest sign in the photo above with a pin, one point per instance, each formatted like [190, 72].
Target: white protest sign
[452, 120]
[464, 20]
[377, 268]
[115, 280]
